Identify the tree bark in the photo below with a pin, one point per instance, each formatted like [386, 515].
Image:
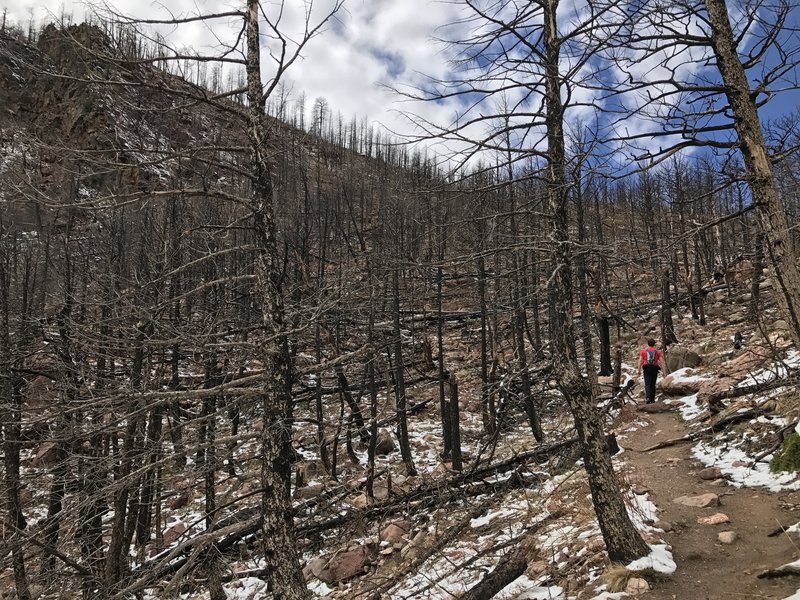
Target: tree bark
[399, 376]
[761, 178]
[11, 412]
[668, 336]
[280, 547]
[621, 537]
[455, 424]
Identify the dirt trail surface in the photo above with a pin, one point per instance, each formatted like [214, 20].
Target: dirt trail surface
[708, 569]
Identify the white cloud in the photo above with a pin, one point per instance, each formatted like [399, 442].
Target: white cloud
[370, 45]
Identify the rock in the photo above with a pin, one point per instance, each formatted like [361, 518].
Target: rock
[344, 565]
[394, 532]
[715, 519]
[679, 358]
[595, 544]
[710, 473]
[310, 491]
[727, 537]
[639, 489]
[636, 586]
[384, 444]
[179, 501]
[412, 549]
[702, 501]
[665, 526]
[46, 455]
[537, 568]
[172, 534]
[740, 463]
[314, 567]
[360, 501]
[669, 386]
[555, 508]
[441, 470]
[781, 326]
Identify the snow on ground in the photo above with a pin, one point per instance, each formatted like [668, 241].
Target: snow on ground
[777, 370]
[659, 560]
[524, 588]
[688, 375]
[442, 576]
[690, 408]
[642, 511]
[735, 464]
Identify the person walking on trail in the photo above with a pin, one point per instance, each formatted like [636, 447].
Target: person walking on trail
[651, 361]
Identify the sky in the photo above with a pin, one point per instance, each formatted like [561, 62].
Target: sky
[369, 45]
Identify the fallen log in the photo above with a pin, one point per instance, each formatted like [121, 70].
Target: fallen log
[746, 390]
[438, 493]
[792, 568]
[509, 569]
[720, 425]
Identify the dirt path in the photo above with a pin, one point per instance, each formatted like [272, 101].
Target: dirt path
[706, 568]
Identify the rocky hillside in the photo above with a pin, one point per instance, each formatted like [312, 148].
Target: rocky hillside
[131, 374]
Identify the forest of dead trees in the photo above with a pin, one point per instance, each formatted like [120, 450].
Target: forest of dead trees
[156, 287]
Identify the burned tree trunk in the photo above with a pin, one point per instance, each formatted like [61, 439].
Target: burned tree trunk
[667, 329]
[11, 413]
[622, 540]
[277, 535]
[399, 383]
[761, 178]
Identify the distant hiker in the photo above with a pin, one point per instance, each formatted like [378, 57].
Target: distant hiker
[651, 361]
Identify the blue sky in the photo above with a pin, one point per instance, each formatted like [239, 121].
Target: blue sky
[371, 44]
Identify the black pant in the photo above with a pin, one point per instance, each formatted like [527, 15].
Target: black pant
[650, 377]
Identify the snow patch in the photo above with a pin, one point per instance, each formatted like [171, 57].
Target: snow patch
[758, 475]
[689, 407]
[659, 560]
[524, 588]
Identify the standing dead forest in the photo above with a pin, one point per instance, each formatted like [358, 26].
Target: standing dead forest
[251, 348]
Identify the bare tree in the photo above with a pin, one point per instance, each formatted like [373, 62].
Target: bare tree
[519, 51]
[701, 65]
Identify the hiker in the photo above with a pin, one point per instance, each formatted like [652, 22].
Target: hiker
[651, 361]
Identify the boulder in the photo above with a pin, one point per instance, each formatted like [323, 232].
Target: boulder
[394, 532]
[344, 565]
[715, 519]
[384, 444]
[679, 358]
[360, 501]
[46, 455]
[710, 474]
[172, 534]
[314, 567]
[308, 492]
[701, 501]
[665, 526]
[751, 359]
[674, 386]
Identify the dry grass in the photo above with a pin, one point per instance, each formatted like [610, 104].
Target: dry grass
[616, 578]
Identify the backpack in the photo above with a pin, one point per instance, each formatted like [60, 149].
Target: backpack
[651, 356]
